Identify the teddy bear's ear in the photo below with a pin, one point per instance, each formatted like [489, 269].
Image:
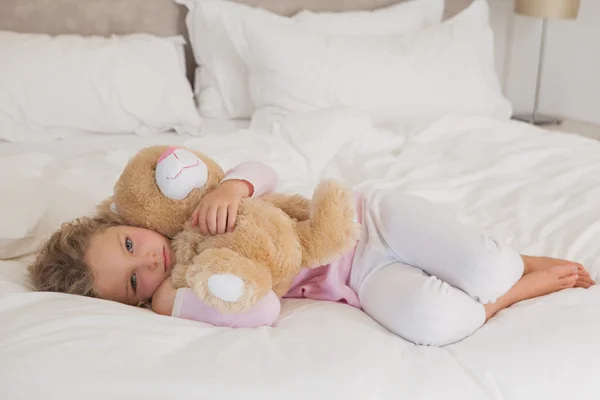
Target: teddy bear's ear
[107, 209]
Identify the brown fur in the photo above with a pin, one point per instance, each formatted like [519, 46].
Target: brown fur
[295, 206]
[274, 238]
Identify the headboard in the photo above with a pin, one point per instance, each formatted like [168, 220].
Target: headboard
[159, 17]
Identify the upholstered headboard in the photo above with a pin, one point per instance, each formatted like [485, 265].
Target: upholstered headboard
[159, 17]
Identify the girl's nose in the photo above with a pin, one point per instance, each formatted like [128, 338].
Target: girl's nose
[151, 261]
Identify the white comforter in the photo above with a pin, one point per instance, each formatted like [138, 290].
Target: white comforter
[536, 190]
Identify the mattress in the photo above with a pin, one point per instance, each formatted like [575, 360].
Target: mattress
[535, 190]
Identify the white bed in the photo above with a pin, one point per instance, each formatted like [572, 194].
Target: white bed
[536, 190]
[539, 193]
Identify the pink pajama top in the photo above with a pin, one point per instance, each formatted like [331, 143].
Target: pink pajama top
[328, 282]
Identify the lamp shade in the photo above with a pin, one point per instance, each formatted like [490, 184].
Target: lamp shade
[551, 9]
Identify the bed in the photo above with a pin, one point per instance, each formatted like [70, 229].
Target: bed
[536, 190]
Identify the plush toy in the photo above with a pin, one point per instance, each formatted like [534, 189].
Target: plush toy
[275, 236]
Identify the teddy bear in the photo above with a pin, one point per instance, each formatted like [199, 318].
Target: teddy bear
[275, 236]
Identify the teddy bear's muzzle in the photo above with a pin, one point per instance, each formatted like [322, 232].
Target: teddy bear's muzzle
[178, 172]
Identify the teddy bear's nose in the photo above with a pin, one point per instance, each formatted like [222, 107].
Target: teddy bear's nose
[178, 172]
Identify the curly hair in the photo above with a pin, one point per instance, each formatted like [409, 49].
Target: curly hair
[61, 266]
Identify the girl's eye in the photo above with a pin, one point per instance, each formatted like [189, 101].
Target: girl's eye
[133, 280]
[129, 245]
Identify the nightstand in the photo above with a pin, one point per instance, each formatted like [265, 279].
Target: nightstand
[581, 128]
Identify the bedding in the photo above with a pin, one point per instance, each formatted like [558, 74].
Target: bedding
[535, 190]
[446, 68]
[55, 87]
[73, 146]
[221, 86]
[24, 229]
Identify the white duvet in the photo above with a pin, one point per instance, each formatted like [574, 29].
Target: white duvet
[538, 191]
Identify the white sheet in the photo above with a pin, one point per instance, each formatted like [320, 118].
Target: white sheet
[85, 143]
[537, 190]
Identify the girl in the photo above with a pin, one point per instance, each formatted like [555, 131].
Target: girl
[415, 270]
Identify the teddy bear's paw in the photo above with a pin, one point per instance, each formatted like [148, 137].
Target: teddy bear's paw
[226, 287]
[332, 203]
[228, 281]
[224, 292]
[178, 277]
[333, 227]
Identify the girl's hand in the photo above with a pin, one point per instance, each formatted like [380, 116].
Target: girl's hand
[163, 298]
[217, 212]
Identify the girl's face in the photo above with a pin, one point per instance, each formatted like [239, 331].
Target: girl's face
[129, 263]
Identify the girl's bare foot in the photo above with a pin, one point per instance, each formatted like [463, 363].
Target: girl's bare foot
[535, 284]
[533, 264]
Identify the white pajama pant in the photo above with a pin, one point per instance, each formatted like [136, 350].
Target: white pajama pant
[422, 274]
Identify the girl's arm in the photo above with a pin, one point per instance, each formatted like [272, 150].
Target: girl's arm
[217, 211]
[263, 180]
[261, 177]
[184, 303]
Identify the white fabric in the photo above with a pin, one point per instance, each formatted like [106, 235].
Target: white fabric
[227, 287]
[65, 86]
[534, 190]
[412, 230]
[419, 307]
[179, 173]
[221, 86]
[443, 69]
[416, 266]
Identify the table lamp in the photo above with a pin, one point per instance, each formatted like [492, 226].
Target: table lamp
[545, 9]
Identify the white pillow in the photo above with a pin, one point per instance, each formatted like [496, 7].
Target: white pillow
[221, 87]
[41, 192]
[56, 87]
[443, 69]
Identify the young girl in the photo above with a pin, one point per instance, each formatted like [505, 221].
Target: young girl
[415, 270]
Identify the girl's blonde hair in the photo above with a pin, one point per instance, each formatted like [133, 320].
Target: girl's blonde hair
[61, 266]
